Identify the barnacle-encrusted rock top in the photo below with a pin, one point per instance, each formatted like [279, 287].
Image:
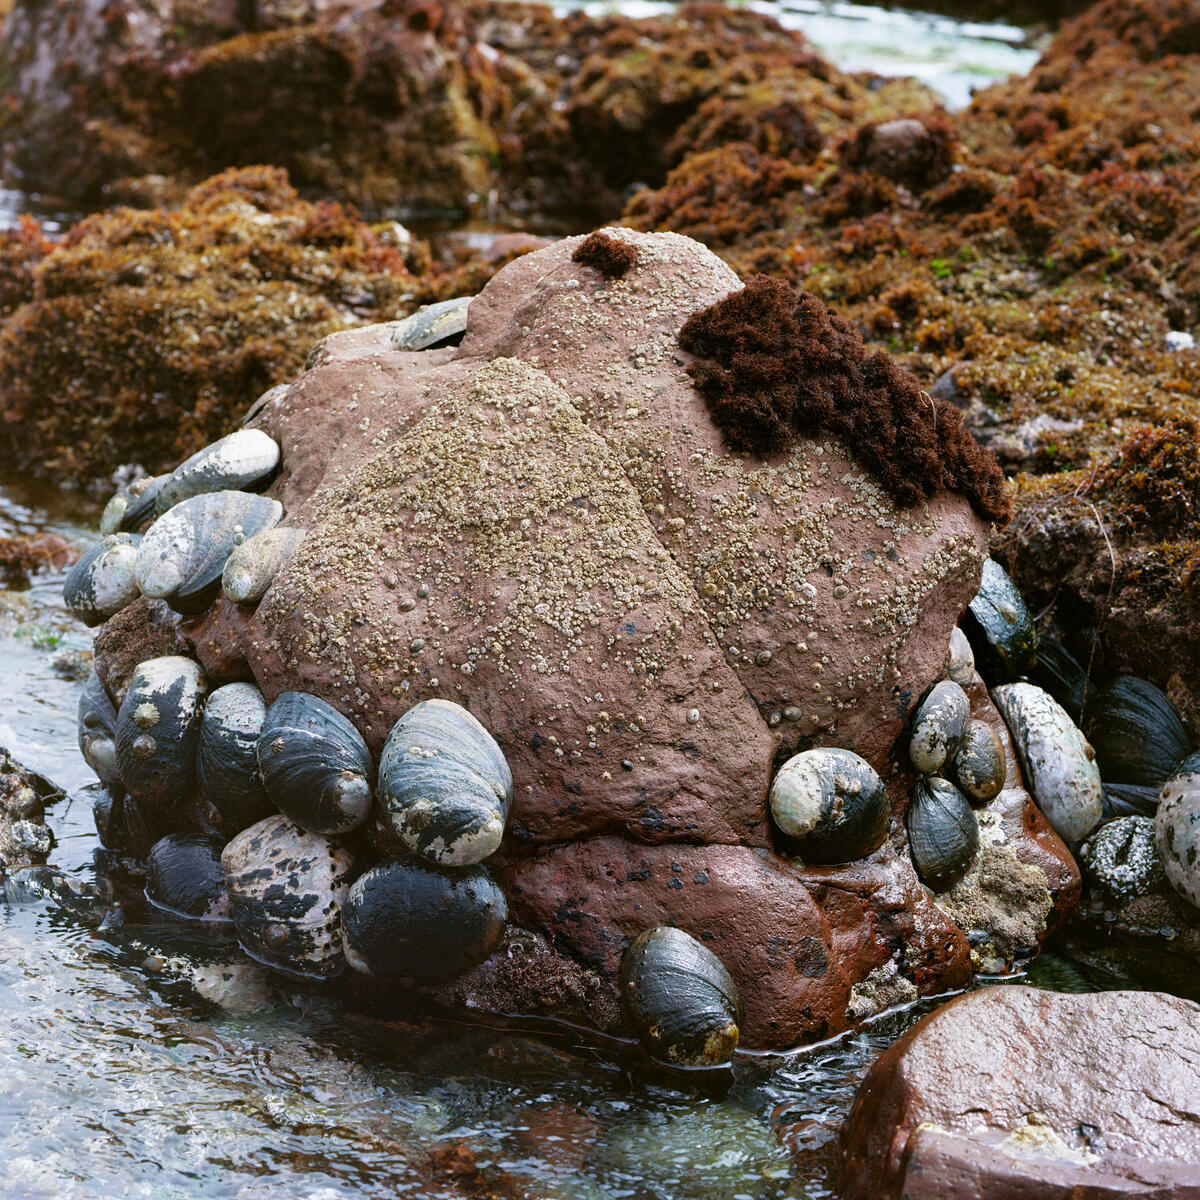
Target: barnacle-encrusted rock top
[545, 525]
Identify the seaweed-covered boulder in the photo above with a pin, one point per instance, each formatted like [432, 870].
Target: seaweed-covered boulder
[1012, 1092]
[144, 334]
[548, 525]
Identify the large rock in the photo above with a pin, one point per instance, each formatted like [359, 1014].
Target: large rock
[1013, 1092]
[545, 525]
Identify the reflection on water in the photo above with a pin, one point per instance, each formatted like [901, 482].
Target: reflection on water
[137, 1060]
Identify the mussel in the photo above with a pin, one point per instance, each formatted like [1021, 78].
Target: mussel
[231, 789]
[98, 730]
[943, 834]
[829, 806]
[1177, 829]
[251, 568]
[444, 784]
[408, 920]
[120, 823]
[437, 324]
[272, 396]
[1137, 732]
[158, 729]
[999, 626]
[102, 582]
[960, 661]
[978, 766]
[1058, 762]
[1129, 800]
[132, 505]
[314, 764]
[184, 552]
[287, 888]
[184, 877]
[679, 999]
[938, 725]
[244, 460]
[1120, 859]
[1058, 672]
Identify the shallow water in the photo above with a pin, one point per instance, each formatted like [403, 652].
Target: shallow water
[131, 1066]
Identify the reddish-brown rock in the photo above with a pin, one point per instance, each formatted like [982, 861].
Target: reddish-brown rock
[797, 940]
[1017, 1093]
[545, 525]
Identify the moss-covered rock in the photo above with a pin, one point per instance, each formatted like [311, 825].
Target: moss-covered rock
[143, 335]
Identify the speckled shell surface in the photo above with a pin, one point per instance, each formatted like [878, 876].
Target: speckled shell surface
[408, 920]
[184, 877]
[314, 764]
[977, 765]
[432, 324]
[227, 758]
[1000, 626]
[960, 659]
[444, 784]
[103, 582]
[1177, 829]
[679, 999]
[158, 729]
[1121, 860]
[829, 805]
[184, 552]
[1058, 762]
[939, 723]
[287, 888]
[252, 566]
[943, 834]
[238, 462]
[131, 506]
[97, 725]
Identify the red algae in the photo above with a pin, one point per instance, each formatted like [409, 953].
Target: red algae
[776, 362]
[145, 334]
[608, 255]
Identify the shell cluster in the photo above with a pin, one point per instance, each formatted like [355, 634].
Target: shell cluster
[1108, 761]
[193, 520]
[273, 817]
[961, 763]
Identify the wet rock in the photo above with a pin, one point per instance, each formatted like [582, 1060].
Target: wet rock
[25, 839]
[23, 553]
[1010, 1092]
[795, 940]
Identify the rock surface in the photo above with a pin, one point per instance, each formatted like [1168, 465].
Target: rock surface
[1014, 1092]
